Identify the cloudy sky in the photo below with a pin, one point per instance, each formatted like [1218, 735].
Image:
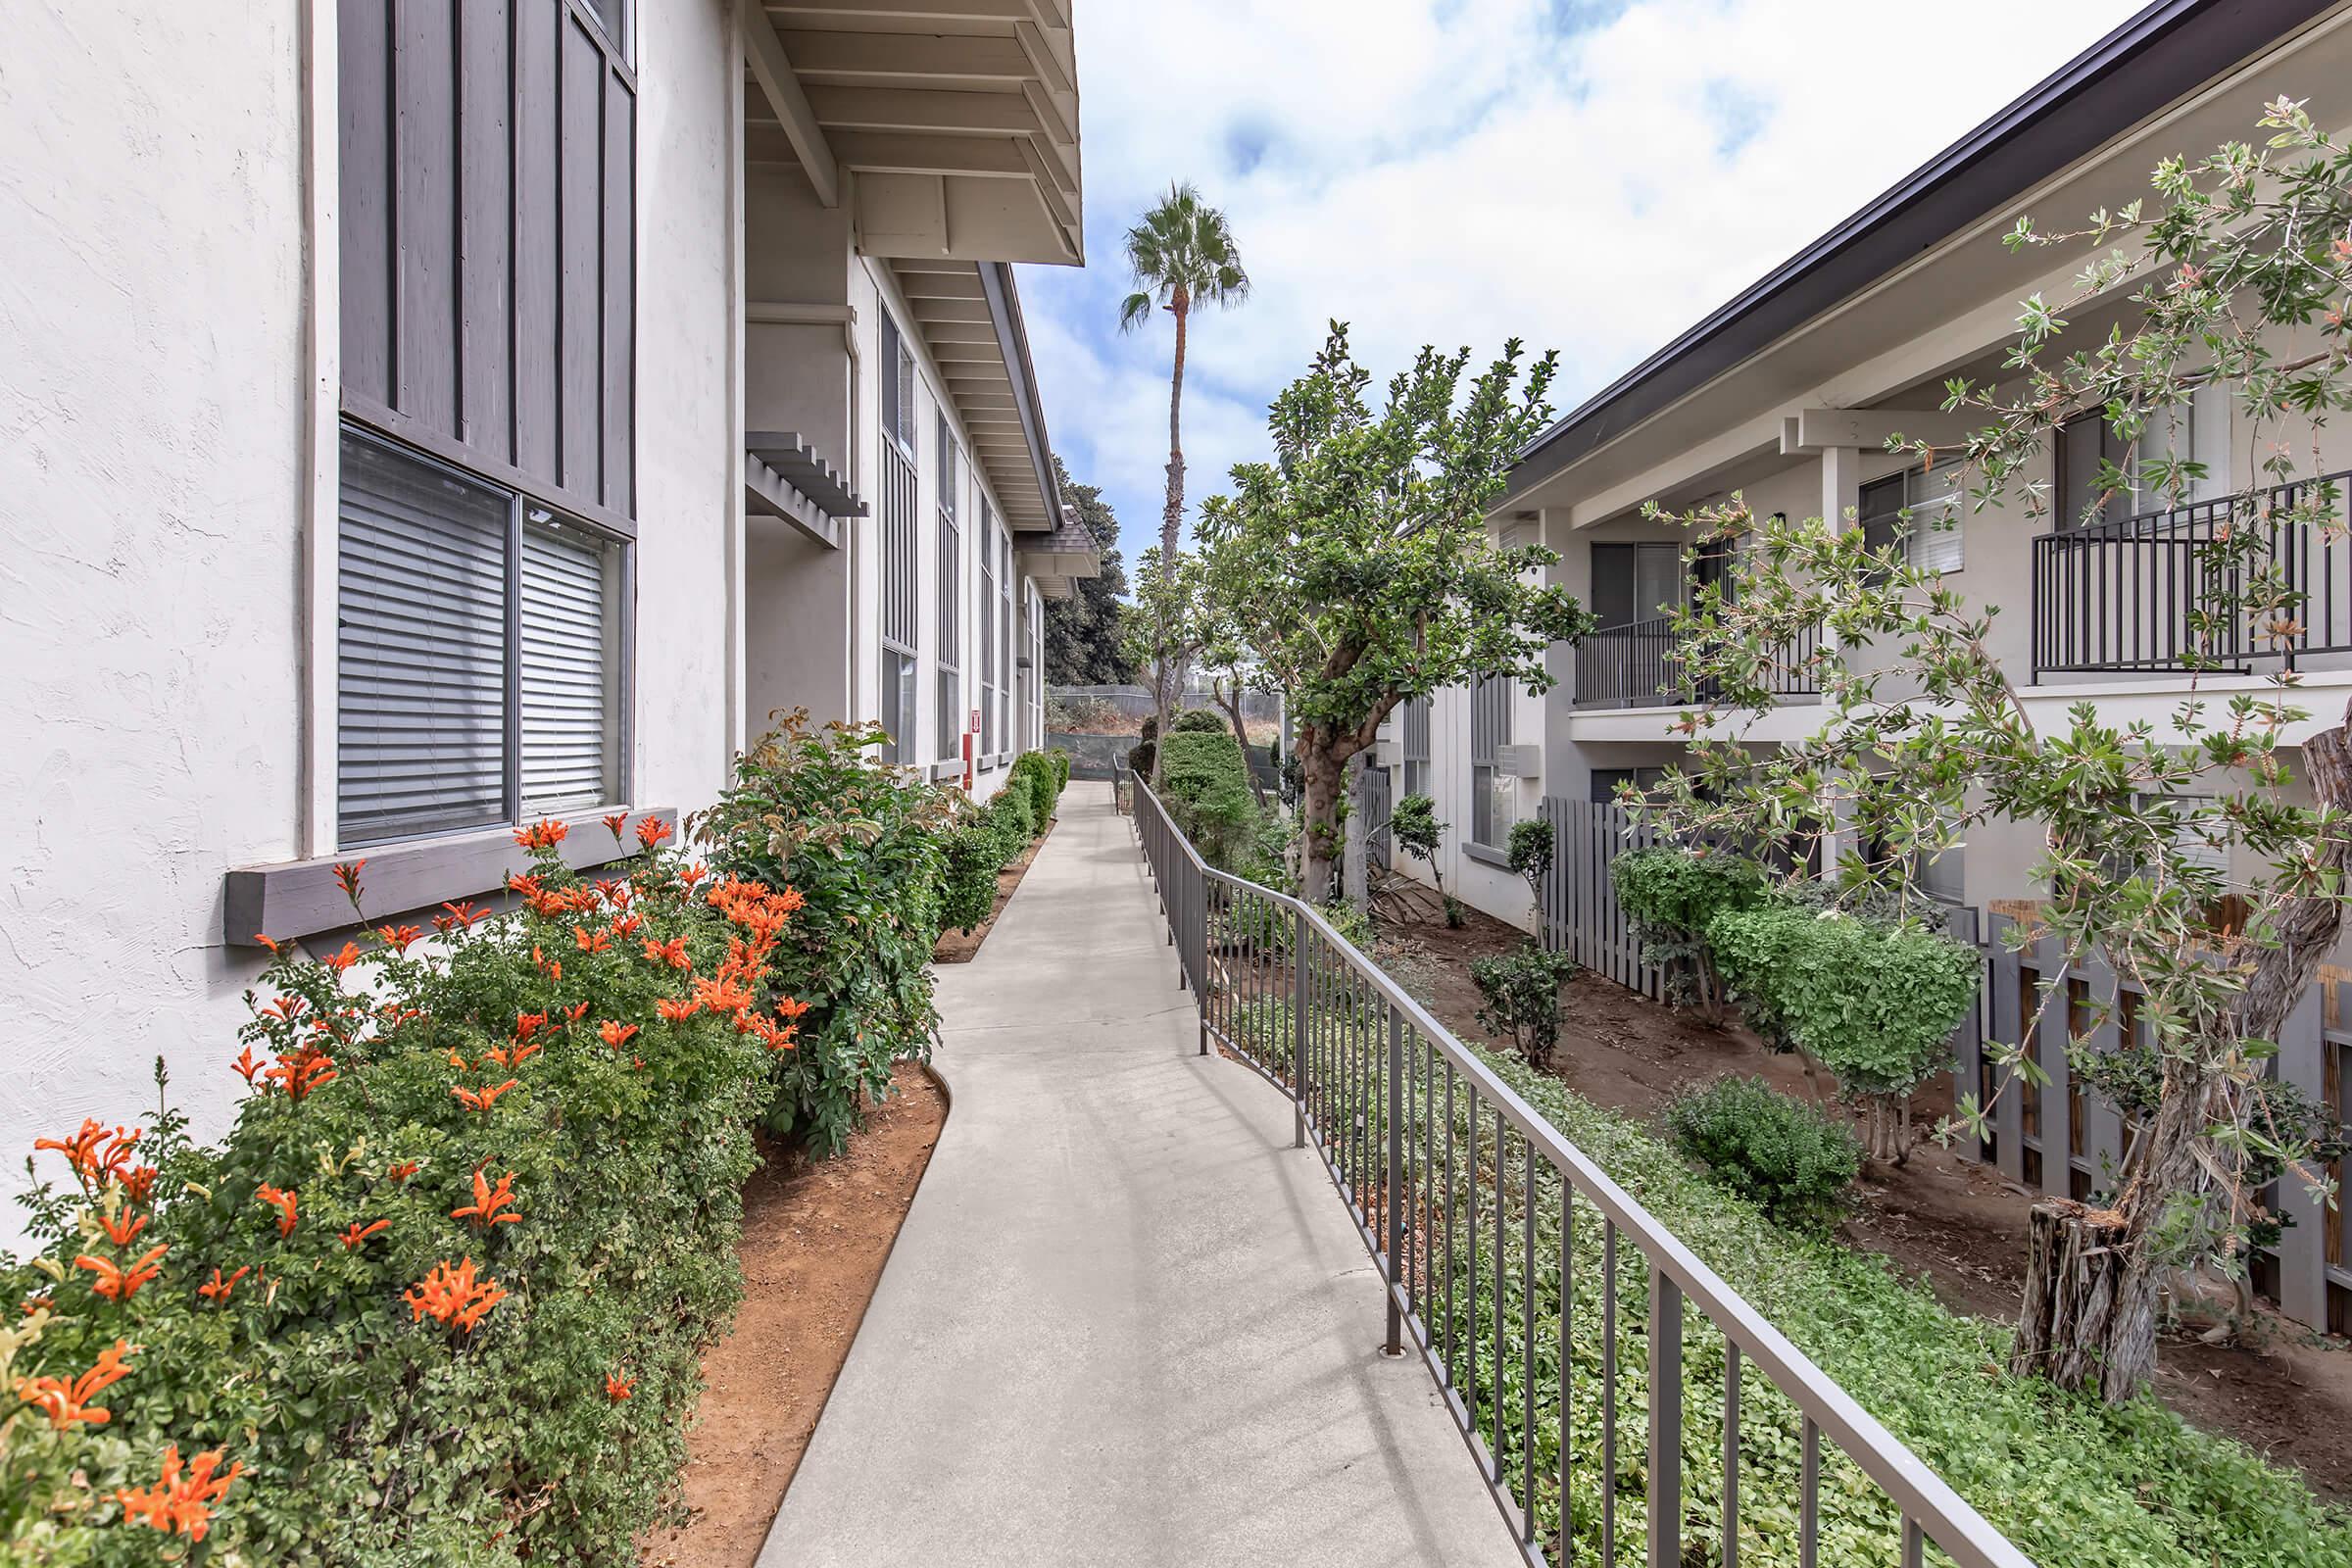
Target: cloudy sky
[1590, 176]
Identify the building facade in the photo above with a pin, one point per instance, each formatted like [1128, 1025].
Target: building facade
[427, 416]
[1786, 396]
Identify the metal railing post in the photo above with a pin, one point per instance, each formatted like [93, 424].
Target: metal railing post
[1665, 1420]
[1395, 1172]
[1298, 1029]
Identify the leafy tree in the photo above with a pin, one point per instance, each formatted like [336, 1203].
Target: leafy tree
[1083, 646]
[1183, 254]
[1925, 738]
[1356, 567]
[1414, 828]
[1166, 630]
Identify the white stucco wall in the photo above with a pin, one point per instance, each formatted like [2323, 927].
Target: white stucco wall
[151, 408]
[153, 313]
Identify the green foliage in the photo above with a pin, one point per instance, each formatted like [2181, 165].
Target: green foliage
[1671, 896]
[1522, 996]
[1199, 721]
[1876, 1006]
[1786, 1157]
[366, 1431]
[978, 845]
[1141, 757]
[1015, 818]
[1530, 855]
[1205, 786]
[865, 843]
[1035, 773]
[1082, 631]
[1414, 828]
[1061, 759]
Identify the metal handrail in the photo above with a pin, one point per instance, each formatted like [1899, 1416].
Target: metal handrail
[1355, 1053]
[1637, 665]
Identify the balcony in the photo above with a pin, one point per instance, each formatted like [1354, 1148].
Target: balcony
[2123, 596]
[1634, 666]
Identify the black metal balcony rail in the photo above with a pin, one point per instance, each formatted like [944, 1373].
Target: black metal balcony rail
[1501, 1245]
[1637, 666]
[2124, 595]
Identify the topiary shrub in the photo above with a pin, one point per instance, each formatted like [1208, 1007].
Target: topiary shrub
[1414, 828]
[1061, 759]
[1530, 856]
[1141, 757]
[1521, 993]
[439, 1294]
[1014, 819]
[1033, 772]
[978, 847]
[1789, 1158]
[1199, 721]
[1205, 786]
[1875, 1004]
[864, 841]
[1671, 895]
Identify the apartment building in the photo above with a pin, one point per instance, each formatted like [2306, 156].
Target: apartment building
[1788, 394]
[425, 416]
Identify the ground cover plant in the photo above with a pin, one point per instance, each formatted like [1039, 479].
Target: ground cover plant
[1790, 1159]
[439, 1294]
[863, 844]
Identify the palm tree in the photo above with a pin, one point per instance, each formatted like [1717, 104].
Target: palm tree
[1183, 254]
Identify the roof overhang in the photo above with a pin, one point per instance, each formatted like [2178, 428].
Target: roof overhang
[1069, 550]
[950, 127]
[2158, 57]
[969, 315]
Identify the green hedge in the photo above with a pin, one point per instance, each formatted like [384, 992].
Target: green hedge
[587, 1068]
[1205, 785]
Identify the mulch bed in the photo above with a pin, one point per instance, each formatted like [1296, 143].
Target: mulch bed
[962, 947]
[815, 1236]
[1954, 1224]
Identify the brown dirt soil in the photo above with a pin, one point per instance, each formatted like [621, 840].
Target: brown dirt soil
[962, 947]
[815, 1236]
[1954, 1224]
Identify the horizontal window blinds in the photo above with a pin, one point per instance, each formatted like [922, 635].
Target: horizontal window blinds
[570, 665]
[421, 649]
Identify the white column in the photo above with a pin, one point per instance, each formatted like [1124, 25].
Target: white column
[1840, 494]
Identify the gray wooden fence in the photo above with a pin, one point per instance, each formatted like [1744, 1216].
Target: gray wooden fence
[2061, 1141]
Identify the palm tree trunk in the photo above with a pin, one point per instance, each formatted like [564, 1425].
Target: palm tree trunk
[1171, 684]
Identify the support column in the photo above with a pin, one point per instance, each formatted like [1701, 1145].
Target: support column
[1841, 496]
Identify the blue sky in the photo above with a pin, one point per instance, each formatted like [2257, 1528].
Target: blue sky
[1591, 177]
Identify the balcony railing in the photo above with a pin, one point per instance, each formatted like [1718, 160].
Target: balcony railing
[1634, 665]
[2122, 595]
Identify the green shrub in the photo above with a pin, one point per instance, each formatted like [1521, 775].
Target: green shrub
[1671, 896]
[1061, 759]
[1205, 786]
[295, 1320]
[865, 843]
[1014, 819]
[1414, 828]
[1139, 758]
[1199, 721]
[1034, 772]
[1522, 996]
[1784, 1156]
[978, 845]
[1530, 855]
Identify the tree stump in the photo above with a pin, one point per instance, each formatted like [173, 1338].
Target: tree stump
[2087, 1322]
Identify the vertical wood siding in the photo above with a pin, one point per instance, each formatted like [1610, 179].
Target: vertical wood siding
[488, 241]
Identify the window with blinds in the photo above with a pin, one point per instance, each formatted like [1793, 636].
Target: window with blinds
[1003, 697]
[1922, 510]
[949, 583]
[1413, 750]
[987, 629]
[1493, 798]
[478, 653]
[898, 564]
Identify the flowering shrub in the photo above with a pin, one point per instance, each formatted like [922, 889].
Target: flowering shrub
[480, 1181]
[864, 844]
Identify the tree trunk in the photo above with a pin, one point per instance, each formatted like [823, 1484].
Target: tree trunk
[1171, 521]
[2089, 1315]
[1230, 699]
[1319, 818]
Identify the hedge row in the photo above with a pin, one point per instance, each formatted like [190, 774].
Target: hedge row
[986, 839]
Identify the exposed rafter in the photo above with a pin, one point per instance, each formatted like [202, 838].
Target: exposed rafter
[773, 69]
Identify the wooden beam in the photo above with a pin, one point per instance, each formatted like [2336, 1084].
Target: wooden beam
[892, 152]
[1048, 187]
[911, 10]
[1872, 429]
[1048, 113]
[903, 54]
[1044, 58]
[940, 286]
[774, 68]
[959, 331]
[918, 108]
[964, 311]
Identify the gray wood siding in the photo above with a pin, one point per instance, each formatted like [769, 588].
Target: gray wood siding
[488, 244]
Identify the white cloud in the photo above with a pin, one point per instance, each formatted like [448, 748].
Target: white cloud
[1591, 180]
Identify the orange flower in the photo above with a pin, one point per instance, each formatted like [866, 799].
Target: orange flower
[547, 966]
[671, 952]
[121, 1284]
[450, 1294]
[772, 1036]
[613, 890]
[340, 961]
[626, 925]
[68, 1401]
[577, 1011]
[121, 1229]
[39, 1303]
[544, 834]
[692, 874]
[616, 1034]
[528, 886]
[246, 1065]
[181, 1501]
[284, 1201]
[615, 823]
[402, 1171]
[791, 1007]
[618, 1388]
[217, 1288]
[270, 943]
[300, 1070]
[651, 831]
[723, 995]
[285, 1009]
[485, 1098]
[527, 1024]
[677, 1010]
[399, 938]
[98, 1156]
[591, 941]
[355, 1233]
[138, 1182]
[346, 877]
[488, 1201]
[459, 917]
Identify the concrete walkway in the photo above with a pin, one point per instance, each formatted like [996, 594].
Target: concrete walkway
[1126, 1323]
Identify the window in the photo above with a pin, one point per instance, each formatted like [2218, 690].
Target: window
[988, 630]
[1004, 632]
[1412, 750]
[2197, 432]
[1605, 781]
[896, 562]
[949, 577]
[478, 652]
[1636, 582]
[1920, 508]
[1493, 795]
